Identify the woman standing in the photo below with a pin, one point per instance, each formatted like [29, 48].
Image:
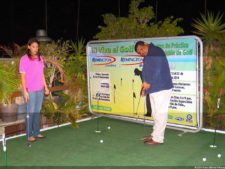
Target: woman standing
[34, 86]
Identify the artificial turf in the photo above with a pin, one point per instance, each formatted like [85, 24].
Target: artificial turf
[122, 146]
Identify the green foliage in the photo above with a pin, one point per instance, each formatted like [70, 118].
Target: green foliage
[75, 72]
[214, 80]
[9, 81]
[62, 111]
[209, 27]
[57, 50]
[75, 67]
[55, 55]
[143, 15]
[66, 63]
[139, 24]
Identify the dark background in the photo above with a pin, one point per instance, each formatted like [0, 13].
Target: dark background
[19, 19]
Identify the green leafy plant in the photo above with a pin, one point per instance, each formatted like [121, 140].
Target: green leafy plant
[75, 66]
[211, 29]
[63, 111]
[75, 73]
[139, 23]
[66, 65]
[55, 54]
[9, 81]
[214, 81]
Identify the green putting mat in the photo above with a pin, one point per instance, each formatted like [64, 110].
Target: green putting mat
[121, 146]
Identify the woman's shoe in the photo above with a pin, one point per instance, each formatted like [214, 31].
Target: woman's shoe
[40, 136]
[31, 139]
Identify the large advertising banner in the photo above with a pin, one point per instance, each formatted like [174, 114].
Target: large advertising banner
[114, 72]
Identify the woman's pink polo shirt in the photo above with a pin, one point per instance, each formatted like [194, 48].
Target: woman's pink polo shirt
[34, 70]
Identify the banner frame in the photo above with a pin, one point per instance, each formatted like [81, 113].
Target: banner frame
[199, 97]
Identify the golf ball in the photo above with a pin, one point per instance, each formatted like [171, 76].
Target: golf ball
[109, 127]
[219, 155]
[211, 146]
[101, 141]
[204, 159]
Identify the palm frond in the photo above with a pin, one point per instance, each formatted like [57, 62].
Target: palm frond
[209, 27]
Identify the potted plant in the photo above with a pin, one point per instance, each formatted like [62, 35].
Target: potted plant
[9, 83]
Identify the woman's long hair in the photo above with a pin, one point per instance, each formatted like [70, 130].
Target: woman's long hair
[30, 41]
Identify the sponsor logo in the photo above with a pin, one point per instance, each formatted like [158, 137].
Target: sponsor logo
[103, 60]
[102, 96]
[97, 95]
[131, 60]
[189, 118]
[179, 118]
[105, 85]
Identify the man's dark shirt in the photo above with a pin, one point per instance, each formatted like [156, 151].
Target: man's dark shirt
[156, 70]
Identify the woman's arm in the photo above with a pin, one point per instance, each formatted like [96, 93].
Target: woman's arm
[45, 86]
[25, 93]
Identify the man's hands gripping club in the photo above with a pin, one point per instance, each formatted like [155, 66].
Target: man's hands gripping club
[145, 86]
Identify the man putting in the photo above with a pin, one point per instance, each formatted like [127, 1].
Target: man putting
[157, 85]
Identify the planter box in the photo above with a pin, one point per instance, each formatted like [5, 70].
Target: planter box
[22, 110]
[8, 112]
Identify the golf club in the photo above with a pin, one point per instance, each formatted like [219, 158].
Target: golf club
[28, 126]
[138, 72]
[4, 149]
